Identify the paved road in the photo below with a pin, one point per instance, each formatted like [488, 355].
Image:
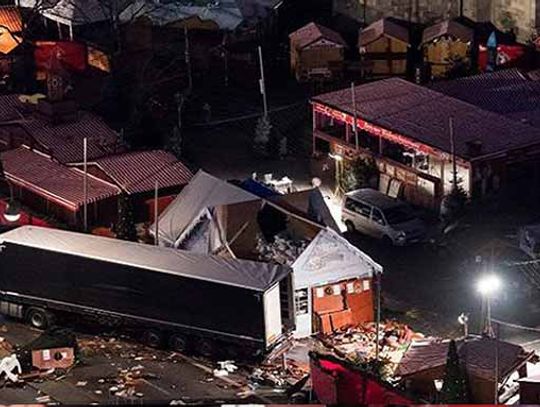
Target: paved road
[165, 376]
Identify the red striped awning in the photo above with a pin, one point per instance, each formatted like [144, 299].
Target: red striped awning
[53, 181]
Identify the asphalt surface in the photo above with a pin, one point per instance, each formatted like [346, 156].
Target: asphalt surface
[164, 377]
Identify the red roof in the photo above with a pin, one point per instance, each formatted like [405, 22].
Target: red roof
[138, 171]
[45, 177]
[476, 353]
[63, 141]
[383, 27]
[422, 114]
[452, 28]
[311, 33]
[10, 18]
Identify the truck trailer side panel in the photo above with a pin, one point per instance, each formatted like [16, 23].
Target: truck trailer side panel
[131, 290]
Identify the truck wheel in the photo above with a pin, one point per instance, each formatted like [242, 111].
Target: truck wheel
[152, 339]
[205, 347]
[39, 318]
[178, 343]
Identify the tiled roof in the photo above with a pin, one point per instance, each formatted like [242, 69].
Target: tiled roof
[138, 171]
[384, 26]
[477, 354]
[313, 32]
[10, 18]
[63, 141]
[448, 27]
[52, 180]
[508, 92]
[423, 115]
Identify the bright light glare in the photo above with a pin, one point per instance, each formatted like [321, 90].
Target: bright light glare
[488, 285]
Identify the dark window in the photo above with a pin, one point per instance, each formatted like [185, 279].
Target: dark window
[377, 216]
[358, 207]
[301, 301]
[398, 214]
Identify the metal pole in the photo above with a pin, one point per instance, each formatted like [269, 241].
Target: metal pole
[156, 217]
[496, 401]
[85, 184]
[453, 151]
[262, 84]
[188, 61]
[355, 116]
[489, 330]
[378, 318]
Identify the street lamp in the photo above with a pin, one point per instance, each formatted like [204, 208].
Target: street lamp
[487, 286]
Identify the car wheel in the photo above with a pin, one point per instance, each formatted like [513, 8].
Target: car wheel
[39, 318]
[350, 226]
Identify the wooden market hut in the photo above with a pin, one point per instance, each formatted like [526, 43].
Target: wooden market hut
[384, 46]
[316, 52]
[445, 44]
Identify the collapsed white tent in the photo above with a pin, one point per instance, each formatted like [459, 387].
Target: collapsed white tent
[194, 202]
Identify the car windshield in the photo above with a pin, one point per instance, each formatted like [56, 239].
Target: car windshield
[398, 214]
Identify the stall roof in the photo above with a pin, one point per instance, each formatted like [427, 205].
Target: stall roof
[475, 352]
[203, 192]
[63, 141]
[508, 92]
[385, 26]
[313, 32]
[137, 171]
[227, 14]
[239, 273]
[75, 12]
[54, 181]
[423, 114]
[330, 257]
[453, 28]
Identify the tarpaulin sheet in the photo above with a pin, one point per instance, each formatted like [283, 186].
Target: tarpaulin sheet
[240, 273]
[203, 192]
[330, 258]
[72, 55]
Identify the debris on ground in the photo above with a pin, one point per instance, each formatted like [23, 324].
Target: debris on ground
[8, 366]
[282, 250]
[359, 344]
[225, 368]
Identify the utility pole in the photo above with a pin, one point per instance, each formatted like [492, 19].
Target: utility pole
[187, 59]
[262, 84]
[355, 115]
[453, 152]
[156, 217]
[364, 12]
[497, 332]
[85, 184]
[377, 276]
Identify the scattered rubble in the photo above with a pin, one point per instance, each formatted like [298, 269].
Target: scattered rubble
[282, 250]
[358, 345]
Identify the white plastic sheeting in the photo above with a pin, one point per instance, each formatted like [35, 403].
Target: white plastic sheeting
[241, 273]
[200, 195]
[330, 258]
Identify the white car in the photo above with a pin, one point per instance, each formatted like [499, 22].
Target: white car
[377, 215]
